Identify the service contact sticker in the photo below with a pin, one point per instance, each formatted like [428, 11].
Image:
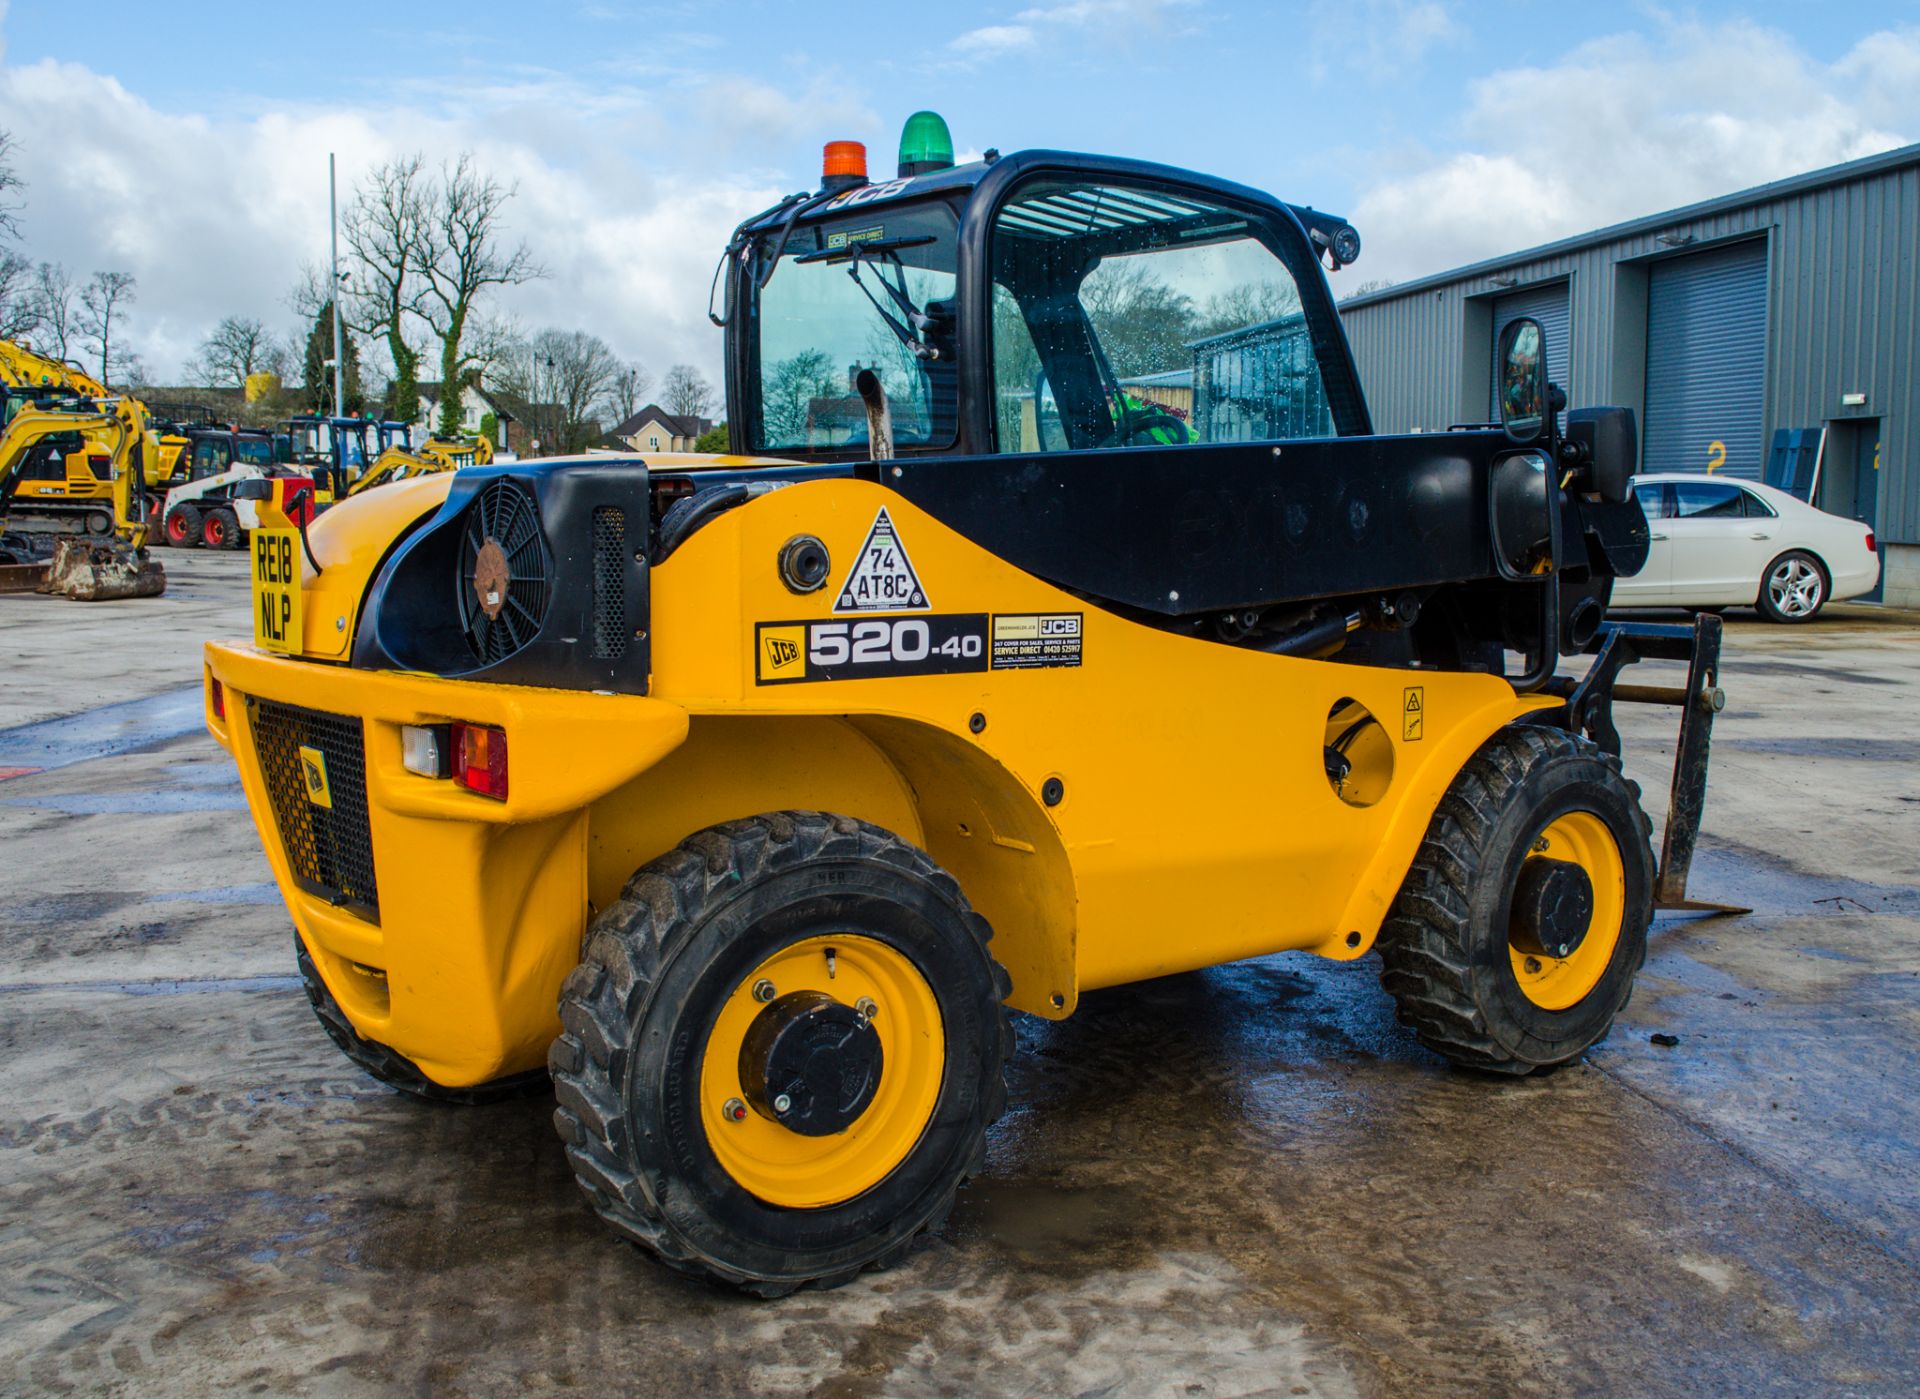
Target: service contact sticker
[954, 643]
[1035, 639]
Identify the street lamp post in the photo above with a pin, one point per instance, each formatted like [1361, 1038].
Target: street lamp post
[339, 363]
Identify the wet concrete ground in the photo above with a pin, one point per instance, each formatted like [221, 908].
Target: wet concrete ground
[1244, 1181]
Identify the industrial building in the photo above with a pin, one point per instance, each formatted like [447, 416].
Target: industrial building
[1768, 333]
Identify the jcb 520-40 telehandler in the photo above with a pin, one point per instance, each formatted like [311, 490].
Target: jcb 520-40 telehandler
[1062, 622]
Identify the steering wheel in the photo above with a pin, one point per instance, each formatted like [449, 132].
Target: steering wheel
[1136, 425]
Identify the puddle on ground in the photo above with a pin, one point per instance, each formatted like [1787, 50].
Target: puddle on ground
[101, 733]
[168, 802]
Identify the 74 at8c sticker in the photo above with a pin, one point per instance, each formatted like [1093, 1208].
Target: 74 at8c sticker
[939, 644]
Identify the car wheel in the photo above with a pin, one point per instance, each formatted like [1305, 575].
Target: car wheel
[1793, 589]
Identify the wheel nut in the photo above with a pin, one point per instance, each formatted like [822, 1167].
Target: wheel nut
[1533, 965]
[734, 1110]
[763, 990]
[866, 1008]
[782, 1103]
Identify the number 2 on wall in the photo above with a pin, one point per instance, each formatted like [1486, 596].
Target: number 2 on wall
[1716, 456]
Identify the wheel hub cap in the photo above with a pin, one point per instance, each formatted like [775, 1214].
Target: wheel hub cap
[811, 1063]
[1552, 908]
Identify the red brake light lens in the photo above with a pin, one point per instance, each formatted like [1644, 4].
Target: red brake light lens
[1871, 547]
[480, 759]
[218, 694]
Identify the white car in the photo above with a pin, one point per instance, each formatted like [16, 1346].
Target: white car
[1722, 542]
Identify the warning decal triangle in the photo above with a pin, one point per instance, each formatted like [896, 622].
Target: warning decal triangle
[882, 579]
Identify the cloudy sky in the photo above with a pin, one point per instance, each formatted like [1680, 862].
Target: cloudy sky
[188, 144]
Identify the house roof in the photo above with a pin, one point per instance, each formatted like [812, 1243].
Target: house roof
[430, 393]
[678, 424]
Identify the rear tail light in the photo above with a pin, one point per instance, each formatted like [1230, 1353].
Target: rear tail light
[1871, 547]
[480, 759]
[217, 697]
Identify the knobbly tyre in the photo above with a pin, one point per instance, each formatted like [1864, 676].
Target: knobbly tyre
[1045, 633]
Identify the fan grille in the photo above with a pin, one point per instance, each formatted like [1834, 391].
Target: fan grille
[503, 515]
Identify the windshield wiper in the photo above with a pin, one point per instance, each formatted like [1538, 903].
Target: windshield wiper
[871, 245]
[896, 290]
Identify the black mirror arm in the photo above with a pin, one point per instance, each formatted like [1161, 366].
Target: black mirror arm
[298, 516]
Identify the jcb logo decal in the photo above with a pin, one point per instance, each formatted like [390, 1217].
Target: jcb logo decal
[313, 772]
[783, 653]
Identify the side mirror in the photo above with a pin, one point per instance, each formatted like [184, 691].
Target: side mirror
[1523, 380]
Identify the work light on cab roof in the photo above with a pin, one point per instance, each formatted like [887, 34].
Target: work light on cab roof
[925, 145]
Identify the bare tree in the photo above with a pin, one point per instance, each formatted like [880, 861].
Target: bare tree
[53, 297]
[563, 379]
[386, 246]
[19, 308]
[238, 348]
[103, 301]
[10, 186]
[464, 256]
[629, 393]
[686, 392]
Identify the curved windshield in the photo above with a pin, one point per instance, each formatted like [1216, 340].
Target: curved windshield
[254, 451]
[869, 290]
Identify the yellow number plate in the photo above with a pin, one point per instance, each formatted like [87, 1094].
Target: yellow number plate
[276, 589]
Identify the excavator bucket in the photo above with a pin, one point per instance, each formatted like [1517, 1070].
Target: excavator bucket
[101, 570]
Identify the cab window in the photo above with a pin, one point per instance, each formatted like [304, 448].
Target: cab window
[1128, 316]
[869, 290]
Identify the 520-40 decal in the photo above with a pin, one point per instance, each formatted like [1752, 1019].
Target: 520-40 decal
[935, 644]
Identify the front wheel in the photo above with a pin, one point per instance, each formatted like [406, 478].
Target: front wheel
[1793, 589]
[1516, 937]
[781, 1052]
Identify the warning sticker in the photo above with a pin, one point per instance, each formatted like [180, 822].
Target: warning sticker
[1033, 640]
[1413, 714]
[882, 579]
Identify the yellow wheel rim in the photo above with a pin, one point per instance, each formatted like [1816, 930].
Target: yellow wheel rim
[784, 1167]
[1555, 983]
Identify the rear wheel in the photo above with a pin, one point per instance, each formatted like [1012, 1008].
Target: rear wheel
[1793, 589]
[221, 528]
[392, 1067]
[781, 1052]
[1518, 932]
[183, 527]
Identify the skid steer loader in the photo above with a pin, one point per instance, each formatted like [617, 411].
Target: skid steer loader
[1060, 621]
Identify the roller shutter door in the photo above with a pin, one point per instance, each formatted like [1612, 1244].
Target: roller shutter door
[1706, 361]
[1547, 305]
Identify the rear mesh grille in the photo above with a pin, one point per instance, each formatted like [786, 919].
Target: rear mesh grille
[329, 848]
[609, 583]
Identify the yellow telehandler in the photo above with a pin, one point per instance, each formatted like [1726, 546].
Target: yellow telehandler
[741, 804]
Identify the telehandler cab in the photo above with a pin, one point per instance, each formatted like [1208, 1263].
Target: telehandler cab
[1061, 595]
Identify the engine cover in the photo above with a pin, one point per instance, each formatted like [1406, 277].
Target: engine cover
[532, 573]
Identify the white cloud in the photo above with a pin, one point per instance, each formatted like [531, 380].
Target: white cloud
[625, 193]
[1379, 39]
[1630, 125]
[994, 38]
[1107, 20]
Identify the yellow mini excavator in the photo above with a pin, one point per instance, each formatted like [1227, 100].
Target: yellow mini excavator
[115, 438]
